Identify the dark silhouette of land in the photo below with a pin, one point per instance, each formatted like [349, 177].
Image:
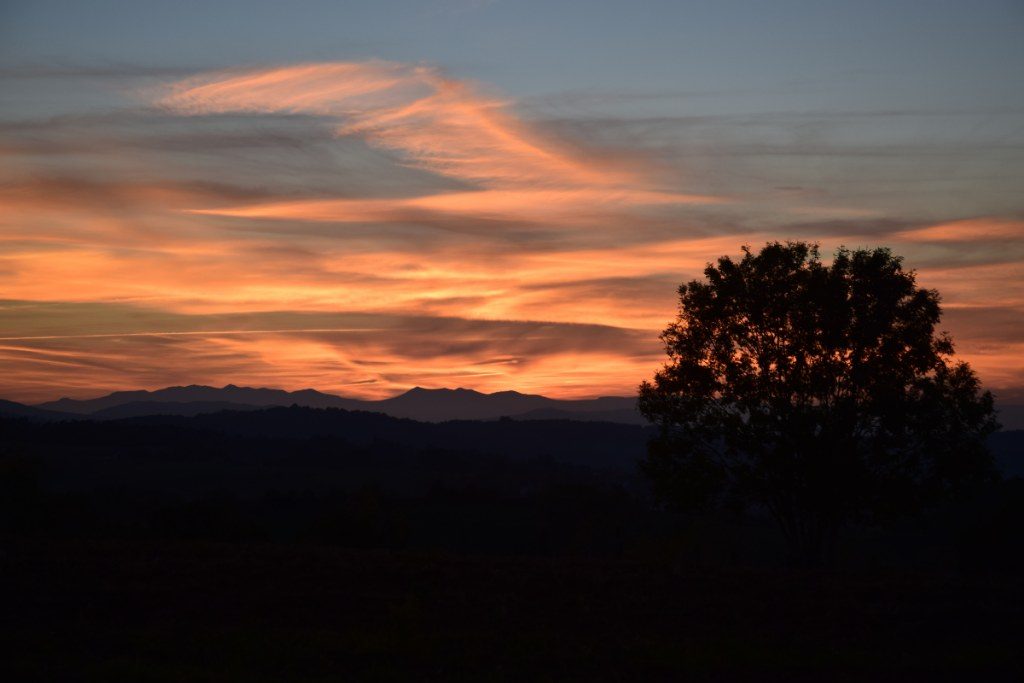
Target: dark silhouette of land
[432, 405]
[429, 405]
[307, 543]
[179, 610]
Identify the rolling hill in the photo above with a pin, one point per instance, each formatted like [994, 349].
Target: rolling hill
[425, 405]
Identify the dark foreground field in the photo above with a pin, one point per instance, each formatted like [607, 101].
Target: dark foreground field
[295, 544]
[187, 611]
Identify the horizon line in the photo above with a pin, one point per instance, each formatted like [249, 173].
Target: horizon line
[324, 393]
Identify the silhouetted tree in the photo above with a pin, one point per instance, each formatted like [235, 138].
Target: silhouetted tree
[821, 393]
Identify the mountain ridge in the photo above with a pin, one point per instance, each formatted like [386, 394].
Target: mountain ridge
[418, 403]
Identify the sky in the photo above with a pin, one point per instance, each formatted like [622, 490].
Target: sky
[362, 197]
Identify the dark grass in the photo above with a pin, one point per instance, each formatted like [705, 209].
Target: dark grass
[186, 611]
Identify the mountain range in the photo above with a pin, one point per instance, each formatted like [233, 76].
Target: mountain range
[425, 405]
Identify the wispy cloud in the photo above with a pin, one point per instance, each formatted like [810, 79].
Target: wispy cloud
[437, 123]
[971, 230]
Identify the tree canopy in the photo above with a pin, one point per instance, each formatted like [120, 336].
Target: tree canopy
[819, 392]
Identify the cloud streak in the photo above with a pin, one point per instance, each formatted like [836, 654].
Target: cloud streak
[433, 122]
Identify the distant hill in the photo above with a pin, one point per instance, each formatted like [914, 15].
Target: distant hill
[600, 444]
[180, 408]
[282, 433]
[426, 405]
[12, 409]
[575, 440]
[437, 405]
[194, 393]
[622, 415]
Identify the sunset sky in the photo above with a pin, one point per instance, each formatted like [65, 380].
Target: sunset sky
[361, 197]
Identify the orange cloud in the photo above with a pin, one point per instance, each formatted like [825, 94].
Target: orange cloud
[544, 207]
[433, 122]
[970, 230]
[985, 285]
